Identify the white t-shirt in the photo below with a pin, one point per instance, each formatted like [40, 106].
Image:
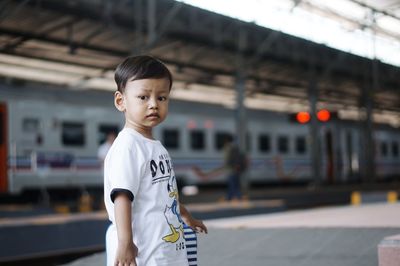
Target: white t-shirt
[142, 167]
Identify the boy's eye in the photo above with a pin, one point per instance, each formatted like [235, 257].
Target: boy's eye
[162, 98]
[142, 97]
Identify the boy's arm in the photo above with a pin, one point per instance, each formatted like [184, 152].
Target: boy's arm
[196, 225]
[127, 251]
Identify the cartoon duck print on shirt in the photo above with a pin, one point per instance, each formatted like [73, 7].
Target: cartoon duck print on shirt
[172, 215]
[162, 173]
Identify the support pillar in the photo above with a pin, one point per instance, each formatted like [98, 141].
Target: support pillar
[315, 142]
[240, 84]
[367, 162]
[240, 112]
[138, 11]
[151, 21]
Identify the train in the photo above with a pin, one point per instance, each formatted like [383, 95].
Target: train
[49, 139]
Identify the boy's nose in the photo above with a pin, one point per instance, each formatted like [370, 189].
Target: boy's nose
[152, 103]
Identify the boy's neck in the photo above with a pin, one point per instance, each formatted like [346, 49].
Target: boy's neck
[145, 133]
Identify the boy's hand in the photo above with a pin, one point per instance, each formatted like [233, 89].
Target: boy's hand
[197, 225]
[126, 254]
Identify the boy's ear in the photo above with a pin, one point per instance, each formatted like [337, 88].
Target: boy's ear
[119, 101]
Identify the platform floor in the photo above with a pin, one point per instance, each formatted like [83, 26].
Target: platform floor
[346, 236]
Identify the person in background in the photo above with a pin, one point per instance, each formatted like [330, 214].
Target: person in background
[140, 191]
[235, 164]
[105, 146]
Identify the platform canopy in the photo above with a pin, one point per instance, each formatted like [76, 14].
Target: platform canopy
[367, 28]
[76, 44]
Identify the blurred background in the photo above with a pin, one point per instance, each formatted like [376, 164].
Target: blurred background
[307, 89]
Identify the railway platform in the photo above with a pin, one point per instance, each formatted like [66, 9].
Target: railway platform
[346, 236]
[35, 233]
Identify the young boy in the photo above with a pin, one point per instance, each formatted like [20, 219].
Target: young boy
[140, 191]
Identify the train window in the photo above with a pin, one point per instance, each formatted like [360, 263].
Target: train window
[73, 134]
[384, 149]
[395, 149]
[264, 143]
[301, 145]
[220, 138]
[30, 125]
[103, 131]
[197, 139]
[283, 144]
[171, 138]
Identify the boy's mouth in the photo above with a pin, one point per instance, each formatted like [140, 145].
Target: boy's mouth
[153, 115]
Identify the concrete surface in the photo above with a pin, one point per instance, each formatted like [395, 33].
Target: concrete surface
[345, 236]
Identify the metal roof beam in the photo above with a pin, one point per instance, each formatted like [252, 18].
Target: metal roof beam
[156, 32]
[13, 45]
[7, 13]
[386, 13]
[60, 41]
[206, 37]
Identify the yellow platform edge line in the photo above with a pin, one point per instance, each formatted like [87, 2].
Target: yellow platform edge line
[356, 197]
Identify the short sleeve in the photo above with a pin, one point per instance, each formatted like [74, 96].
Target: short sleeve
[123, 171]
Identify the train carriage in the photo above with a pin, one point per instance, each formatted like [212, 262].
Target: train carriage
[49, 139]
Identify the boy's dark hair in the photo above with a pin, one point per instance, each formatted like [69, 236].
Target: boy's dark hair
[140, 67]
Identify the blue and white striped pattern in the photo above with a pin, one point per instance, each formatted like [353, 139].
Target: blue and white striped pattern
[191, 245]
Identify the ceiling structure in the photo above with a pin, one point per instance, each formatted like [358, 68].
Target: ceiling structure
[78, 43]
[366, 28]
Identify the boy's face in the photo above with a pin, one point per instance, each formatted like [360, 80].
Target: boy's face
[145, 103]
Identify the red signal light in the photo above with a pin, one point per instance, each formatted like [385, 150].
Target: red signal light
[191, 124]
[323, 115]
[303, 117]
[209, 124]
